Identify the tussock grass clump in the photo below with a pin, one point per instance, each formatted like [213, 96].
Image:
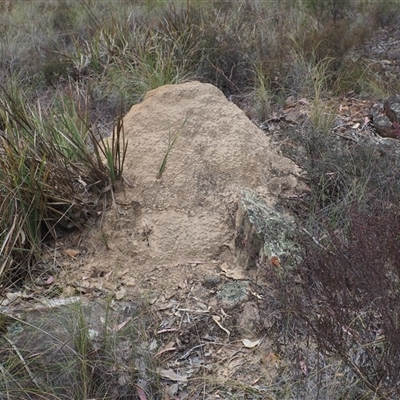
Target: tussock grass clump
[77, 351]
[50, 179]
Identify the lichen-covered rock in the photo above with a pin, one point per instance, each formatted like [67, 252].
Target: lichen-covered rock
[264, 232]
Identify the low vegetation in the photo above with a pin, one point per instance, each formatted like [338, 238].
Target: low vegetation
[77, 350]
[70, 69]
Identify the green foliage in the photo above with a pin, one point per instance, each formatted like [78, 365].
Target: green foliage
[171, 142]
[49, 177]
[114, 152]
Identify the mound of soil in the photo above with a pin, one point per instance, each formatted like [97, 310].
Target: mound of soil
[190, 152]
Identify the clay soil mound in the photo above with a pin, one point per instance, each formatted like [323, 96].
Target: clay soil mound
[172, 228]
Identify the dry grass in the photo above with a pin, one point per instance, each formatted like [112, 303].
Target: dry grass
[77, 351]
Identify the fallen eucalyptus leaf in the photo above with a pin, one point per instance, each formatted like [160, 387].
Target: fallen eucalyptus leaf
[249, 344]
[72, 252]
[171, 375]
[216, 319]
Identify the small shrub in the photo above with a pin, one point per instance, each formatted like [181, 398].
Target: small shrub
[384, 13]
[334, 40]
[348, 295]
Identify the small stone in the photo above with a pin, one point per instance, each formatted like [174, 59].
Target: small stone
[249, 320]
